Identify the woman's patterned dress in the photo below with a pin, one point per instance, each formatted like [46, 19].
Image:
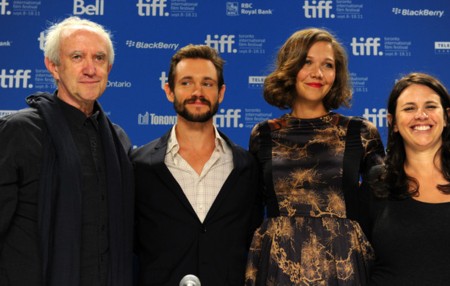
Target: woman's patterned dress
[308, 240]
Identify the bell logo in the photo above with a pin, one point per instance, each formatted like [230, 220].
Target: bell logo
[79, 8]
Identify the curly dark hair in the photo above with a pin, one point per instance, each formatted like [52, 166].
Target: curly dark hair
[393, 181]
[196, 52]
[279, 86]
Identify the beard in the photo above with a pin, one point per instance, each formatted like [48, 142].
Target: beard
[180, 108]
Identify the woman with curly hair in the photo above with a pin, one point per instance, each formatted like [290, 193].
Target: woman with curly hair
[411, 232]
[312, 160]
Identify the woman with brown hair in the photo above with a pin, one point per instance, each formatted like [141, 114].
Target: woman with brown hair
[312, 159]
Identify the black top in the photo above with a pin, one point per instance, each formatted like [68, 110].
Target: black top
[20, 164]
[412, 244]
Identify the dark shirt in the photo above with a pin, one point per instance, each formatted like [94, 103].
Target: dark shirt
[411, 242]
[20, 164]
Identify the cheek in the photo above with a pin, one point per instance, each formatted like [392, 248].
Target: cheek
[301, 75]
[331, 77]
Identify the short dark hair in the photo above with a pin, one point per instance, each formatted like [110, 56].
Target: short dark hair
[196, 52]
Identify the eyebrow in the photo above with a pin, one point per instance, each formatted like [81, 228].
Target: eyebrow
[426, 102]
[325, 60]
[204, 78]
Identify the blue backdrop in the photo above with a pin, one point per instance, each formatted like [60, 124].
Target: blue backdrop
[384, 40]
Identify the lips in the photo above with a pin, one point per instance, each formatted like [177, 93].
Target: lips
[315, 84]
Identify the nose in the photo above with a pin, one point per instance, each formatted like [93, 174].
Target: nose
[197, 89]
[420, 114]
[89, 67]
[316, 72]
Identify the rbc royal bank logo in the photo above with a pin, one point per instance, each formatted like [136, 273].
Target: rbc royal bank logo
[318, 9]
[15, 78]
[366, 46]
[232, 9]
[80, 8]
[222, 43]
[152, 8]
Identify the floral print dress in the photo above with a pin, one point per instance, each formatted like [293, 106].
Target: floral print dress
[306, 238]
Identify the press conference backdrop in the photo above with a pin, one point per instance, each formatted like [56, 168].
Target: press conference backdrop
[384, 40]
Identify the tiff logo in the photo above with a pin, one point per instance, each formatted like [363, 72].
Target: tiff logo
[228, 118]
[318, 9]
[366, 47]
[377, 117]
[41, 40]
[163, 78]
[15, 78]
[152, 8]
[94, 9]
[222, 44]
[3, 5]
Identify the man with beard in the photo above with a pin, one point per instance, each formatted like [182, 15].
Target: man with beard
[197, 202]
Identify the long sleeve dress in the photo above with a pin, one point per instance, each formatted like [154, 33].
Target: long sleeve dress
[306, 238]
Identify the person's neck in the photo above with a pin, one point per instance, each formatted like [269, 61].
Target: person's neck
[305, 111]
[422, 160]
[195, 135]
[196, 142]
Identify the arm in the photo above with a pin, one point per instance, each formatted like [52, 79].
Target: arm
[9, 178]
[254, 147]
[373, 156]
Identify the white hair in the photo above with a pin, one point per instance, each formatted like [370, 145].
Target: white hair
[53, 36]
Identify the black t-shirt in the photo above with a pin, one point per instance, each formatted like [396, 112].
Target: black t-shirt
[412, 244]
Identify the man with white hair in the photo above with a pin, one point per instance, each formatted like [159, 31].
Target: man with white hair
[66, 187]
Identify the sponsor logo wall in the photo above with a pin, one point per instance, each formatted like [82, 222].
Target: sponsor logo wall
[384, 40]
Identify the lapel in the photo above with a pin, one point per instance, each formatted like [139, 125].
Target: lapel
[230, 183]
[157, 156]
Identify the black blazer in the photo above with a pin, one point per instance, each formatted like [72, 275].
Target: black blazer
[171, 242]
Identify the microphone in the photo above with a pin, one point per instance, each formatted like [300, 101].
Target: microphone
[190, 280]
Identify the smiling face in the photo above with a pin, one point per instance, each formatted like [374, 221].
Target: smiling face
[419, 118]
[316, 77]
[82, 73]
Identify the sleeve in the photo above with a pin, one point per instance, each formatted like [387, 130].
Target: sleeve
[373, 156]
[258, 207]
[9, 178]
[124, 139]
[260, 147]
[254, 142]
[374, 152]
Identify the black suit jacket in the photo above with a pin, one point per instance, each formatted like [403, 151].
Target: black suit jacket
[172, 242]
